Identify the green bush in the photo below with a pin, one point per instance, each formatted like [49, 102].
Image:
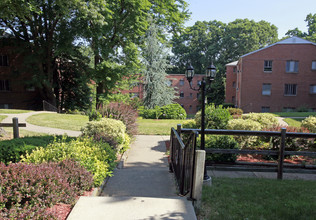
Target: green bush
[228, 105]
[235, 111]
[190, 124]
[94, 115]
[12, 150]
[265, 119]
[97, 157]
[247, 124]
[215, 117]
[310, 123]
[109, 130]
[173, 111]
[221, 142]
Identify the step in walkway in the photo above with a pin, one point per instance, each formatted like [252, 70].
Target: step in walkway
[142, 189]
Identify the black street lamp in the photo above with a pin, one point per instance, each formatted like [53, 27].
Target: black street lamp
[210, 75]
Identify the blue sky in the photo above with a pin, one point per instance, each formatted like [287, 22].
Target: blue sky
[284, 14]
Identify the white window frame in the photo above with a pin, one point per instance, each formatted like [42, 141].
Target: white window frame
[312, 89]
[291, 66]
[267, 66]
[266, 89]
[290, 89]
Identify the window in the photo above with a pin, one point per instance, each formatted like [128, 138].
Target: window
[234, 84]
[199, 82]
[314, 65]
[266, 89]
[267, 66]
[190, 107]
[181, 94]
[134, 94]
[169, 83]
[4, 85]
[191, 95]
[4, 60]
[312, 89]
[288, 109]
[197, 95]
[5, 106]
[182, 105]
[265, 109]
[291, 66]
[181, 82]
[290, 89]
[233, 99]
[235, 69]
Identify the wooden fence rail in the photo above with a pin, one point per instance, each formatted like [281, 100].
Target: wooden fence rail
[15, 124]
[280, 153]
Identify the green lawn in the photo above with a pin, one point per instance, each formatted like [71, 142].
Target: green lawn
[157, 127]
[2, 117]
[13, 111]
[294, 122]
[294, 114]
[62, 121]
[229, 198]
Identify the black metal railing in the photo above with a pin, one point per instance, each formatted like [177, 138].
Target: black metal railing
[280, 153]
[182, 160]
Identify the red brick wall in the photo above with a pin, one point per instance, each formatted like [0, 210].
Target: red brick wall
[231, 84]
[17, 97]
[253, 76]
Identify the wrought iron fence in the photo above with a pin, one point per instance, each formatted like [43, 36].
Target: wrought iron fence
[49, 107]
[182, 160]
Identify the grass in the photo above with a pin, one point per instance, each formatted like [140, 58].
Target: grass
[61, 121]
[2, 117]
[13, 111]
[294, 122]
[258, 199]
[157, 127]
[294, 114]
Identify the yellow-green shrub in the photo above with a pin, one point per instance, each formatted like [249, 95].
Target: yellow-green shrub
[96, 157]
[310, 123]
[241, 124]
[109, 130]
[265, 119]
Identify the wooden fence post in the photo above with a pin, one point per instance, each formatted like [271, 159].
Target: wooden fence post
[281, 154]
[15, 122]
[179, 129]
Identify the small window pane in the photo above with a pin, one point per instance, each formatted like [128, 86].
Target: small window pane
[292, 66]
[181, 82]
[266, 89]
[313, 65]
[265, 109]
[267, 65]
[313, 89]
[290, 89]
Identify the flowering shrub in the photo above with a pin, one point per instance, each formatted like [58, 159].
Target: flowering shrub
[310, 123]
[27, 190]
[123, 112]
[108, 130]
[96, 157]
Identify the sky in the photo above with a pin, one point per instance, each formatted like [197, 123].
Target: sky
[284, 14]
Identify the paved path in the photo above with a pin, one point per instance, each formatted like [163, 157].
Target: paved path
[30, 127]
[142, 189]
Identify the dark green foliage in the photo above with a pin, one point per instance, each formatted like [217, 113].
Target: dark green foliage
[27, 190]
[12, 150]
[221, 142]
[123, 112]
[94, 115]
[228, 105]
[215, 117]
[171, 111]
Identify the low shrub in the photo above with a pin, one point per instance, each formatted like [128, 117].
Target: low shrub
[27, 189]
[215, 117]
[123, 112]
[97, 157]
[108, 130]
[310, 123]
[235, 112]
[190, 124]
[12, 150]
[265, 119]
[247, 124]
[94, 115]
[221, 142]
[171, 111]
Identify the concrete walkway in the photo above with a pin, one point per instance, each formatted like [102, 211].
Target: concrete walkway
[142, 189]
[30, 127]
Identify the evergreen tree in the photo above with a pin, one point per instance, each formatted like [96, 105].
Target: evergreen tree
[156, 89]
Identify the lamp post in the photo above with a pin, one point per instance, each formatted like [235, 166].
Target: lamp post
[209, 77]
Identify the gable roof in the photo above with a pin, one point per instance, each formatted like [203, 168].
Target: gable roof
[232, 63]
[291, 40]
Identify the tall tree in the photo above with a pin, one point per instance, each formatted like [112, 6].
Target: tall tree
[156, 89]
[311, 31]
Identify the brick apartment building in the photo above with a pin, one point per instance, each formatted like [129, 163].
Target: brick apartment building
[14, 93]
[188, 98]
[279, 77]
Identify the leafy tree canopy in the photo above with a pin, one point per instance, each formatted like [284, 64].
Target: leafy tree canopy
[311, 31]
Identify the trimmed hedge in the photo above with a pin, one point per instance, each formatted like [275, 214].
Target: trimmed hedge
[310, 124]
[265, 119]
[97, 157]
[171, 111]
